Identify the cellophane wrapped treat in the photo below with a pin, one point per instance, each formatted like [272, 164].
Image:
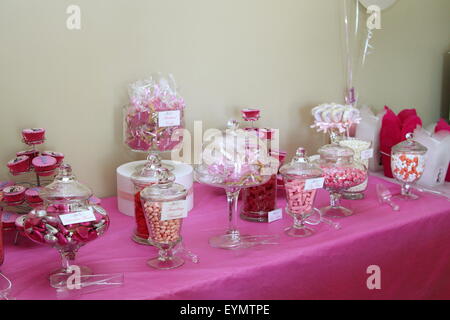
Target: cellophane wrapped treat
[154, 117]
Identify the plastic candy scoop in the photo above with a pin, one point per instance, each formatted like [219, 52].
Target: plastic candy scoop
[385, 197]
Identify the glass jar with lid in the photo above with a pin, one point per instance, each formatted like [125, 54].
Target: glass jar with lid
[144, 177]
[362, 153]
[341, 173]
[66, 221]
[164, 207]
[258, 201]
[408, 164]
[301, 181]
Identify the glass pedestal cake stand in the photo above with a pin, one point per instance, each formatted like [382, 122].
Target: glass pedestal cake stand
[232, 239]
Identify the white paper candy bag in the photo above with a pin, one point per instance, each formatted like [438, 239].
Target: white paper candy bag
[437, 157]
[369, 130]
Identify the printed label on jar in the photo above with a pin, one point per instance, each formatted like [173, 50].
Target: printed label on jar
[77, 217]
[173, 210]
[169, 118]
[367, 154]
[313, 184]
[275, 215]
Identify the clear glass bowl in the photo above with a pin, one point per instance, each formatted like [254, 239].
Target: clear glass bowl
[341, 173]
[235, 159]
[66, 222]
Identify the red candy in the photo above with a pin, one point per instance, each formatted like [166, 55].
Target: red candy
[49, 229]
[260, 199]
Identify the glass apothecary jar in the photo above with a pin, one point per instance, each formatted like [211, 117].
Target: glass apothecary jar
[142, 178]
[341, 173]
[362, 153]
[301, 181]
[66, 222]
[408, 164]
[259, 201]
[164, 207]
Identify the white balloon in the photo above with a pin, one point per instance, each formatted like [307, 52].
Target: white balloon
[383, 4]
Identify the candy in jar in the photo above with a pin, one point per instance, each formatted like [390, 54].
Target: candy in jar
[164, 206]
[154, 119]
[301, 181]
[142, 178]
[362, 153]
[258, 201]
[408, 165]
[66, 221]
[235, 159]
[341, 173]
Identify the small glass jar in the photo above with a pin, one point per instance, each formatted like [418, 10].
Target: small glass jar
[408, 164]
[362, 153]
[66, 222]
[341, 173]
[164, 207]
[301, 181]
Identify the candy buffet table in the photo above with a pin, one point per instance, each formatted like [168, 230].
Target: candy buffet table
[412, 248]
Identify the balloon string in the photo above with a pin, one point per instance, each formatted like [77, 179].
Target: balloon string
[347, 44]
[357, 18]
[368, 48]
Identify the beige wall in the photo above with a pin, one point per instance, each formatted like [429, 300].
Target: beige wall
[283, 54]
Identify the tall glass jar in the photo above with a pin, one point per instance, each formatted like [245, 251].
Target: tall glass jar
[258, 201]
[408, 164]
[341, 173]
[164, 206]
[66, 222]
[301, 181]
[362, 153]
[142, 178]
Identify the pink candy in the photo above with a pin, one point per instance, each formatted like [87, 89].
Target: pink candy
[161, 231]
[343, 178]
[49, 229]
[299, 200]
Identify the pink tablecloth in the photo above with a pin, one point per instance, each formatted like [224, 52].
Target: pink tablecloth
[411, 247]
